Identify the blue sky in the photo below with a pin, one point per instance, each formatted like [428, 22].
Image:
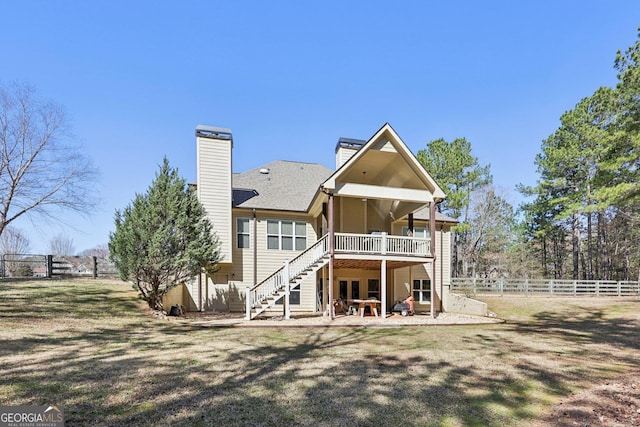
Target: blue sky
[290, 77]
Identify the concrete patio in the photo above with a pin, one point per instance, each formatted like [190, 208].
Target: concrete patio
[208, 319]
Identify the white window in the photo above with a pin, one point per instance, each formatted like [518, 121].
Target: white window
[420, 232]
[243, 235]
[422, 290]
[286, 235]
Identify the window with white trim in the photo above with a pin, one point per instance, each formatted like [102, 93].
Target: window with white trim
[286, 235]
[243, 233]
[422, 290]
[420, 232]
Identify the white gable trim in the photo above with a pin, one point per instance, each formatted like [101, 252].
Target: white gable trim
[402, 149]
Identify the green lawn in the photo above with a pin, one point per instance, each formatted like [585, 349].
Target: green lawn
[91, 347]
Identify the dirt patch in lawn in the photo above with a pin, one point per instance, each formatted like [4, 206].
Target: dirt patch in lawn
[614, 402]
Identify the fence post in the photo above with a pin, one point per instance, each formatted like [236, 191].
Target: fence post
[597, 288]
[501, 287]
[95, 267]
[619, 288]
[49, 273]
[526, 287]
[551, 287]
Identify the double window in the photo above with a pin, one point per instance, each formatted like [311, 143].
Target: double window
[286, 235]
[422, 290]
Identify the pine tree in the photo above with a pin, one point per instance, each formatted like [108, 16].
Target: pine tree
[458, 173]
[163, 238]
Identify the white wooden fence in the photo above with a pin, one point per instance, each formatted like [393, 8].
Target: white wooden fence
[544, 287]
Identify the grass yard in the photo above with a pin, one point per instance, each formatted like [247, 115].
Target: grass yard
[92, 347]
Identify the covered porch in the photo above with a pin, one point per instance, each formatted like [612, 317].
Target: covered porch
[368, 206]
[375, 282]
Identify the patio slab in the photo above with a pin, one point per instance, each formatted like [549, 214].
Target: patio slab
[300, 321]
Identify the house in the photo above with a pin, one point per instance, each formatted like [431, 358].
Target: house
[296, 236]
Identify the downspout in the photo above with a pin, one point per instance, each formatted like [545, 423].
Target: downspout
[255, 248]
[200, 291]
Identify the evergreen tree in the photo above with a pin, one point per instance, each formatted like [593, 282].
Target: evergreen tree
[589, 192]
[569, 166]
[621, 167]
[163, 238]
[458, 173]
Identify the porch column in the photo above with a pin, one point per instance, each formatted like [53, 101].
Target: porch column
[383, 291]
[432, 233]
[331, 254]
[247, 314]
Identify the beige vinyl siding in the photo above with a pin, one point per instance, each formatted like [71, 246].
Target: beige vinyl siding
[443, 264]
[385, 145]
[240, 274]
[214, 188]
[343, 155]
[404, 278]
[351, 215]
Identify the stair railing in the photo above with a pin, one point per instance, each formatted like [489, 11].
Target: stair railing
[285, 274]
[310, 256]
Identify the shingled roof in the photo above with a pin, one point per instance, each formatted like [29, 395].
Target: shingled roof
[280, 185]
[423, 214]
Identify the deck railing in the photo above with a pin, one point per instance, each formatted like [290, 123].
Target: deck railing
[382, 244]
[374, 244]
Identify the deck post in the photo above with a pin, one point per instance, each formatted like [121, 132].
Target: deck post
[432, 248]
[287, 290]
[331, 254]
[248, 303]
[383, 284]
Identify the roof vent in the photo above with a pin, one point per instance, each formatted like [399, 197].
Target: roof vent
[264, 171]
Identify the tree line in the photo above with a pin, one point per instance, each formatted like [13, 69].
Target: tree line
[582, 217]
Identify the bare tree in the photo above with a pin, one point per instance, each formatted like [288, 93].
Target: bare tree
[99, 251]
[13, 241]
[13, 246]
[41, 172]
[61, 245]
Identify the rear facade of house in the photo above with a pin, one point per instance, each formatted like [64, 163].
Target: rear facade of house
[296, 236]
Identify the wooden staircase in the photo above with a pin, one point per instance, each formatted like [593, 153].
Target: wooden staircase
[269, 292]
